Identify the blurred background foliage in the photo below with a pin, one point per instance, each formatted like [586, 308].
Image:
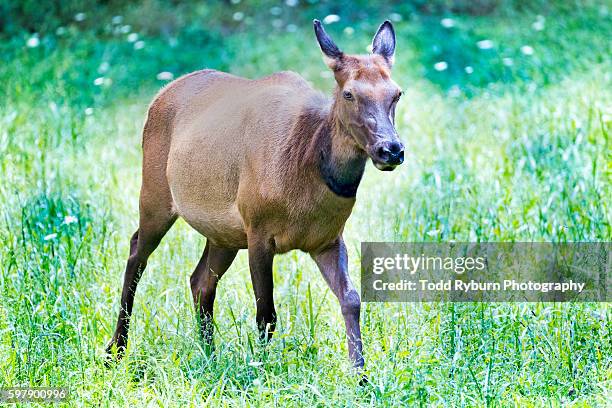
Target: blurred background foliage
[461, 46]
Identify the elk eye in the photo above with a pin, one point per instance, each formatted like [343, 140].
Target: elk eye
[347, 95]
[398, 96]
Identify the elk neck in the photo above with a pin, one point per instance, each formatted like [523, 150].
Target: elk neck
[323, 146]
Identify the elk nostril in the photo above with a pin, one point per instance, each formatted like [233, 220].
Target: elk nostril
[400, 157]
[395, 148]
[383, 152]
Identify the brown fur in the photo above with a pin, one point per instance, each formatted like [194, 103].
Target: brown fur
[267, 177]
[270, 165]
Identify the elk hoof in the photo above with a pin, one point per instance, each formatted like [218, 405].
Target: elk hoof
[114, 353]
[363, 380]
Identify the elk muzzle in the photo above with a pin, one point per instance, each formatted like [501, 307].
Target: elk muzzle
[387, 154]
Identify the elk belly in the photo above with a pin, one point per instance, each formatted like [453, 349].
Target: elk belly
[222, 228]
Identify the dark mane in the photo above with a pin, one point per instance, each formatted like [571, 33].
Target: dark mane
[309, 149]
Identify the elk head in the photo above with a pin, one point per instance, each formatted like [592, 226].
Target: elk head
[366, 96]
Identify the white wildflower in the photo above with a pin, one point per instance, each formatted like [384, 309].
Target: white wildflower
[395, 17]
[485, 44]
[441, 66]
[538, 25]
[33, 41]
[165, 76]
[447, 23]
[70, 219]
[104, 67]
[527, 50]
[330, 19]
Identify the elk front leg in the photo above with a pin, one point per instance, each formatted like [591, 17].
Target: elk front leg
[333, 263]
[261, 257]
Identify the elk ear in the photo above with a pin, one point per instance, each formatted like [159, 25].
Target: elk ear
[331, 53]
[384, 42]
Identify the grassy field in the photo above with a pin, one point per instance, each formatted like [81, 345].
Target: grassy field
[506, 121]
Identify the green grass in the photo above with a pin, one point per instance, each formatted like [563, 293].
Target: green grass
[508, 153]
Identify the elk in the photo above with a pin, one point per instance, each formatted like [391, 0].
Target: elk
[268, 165]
